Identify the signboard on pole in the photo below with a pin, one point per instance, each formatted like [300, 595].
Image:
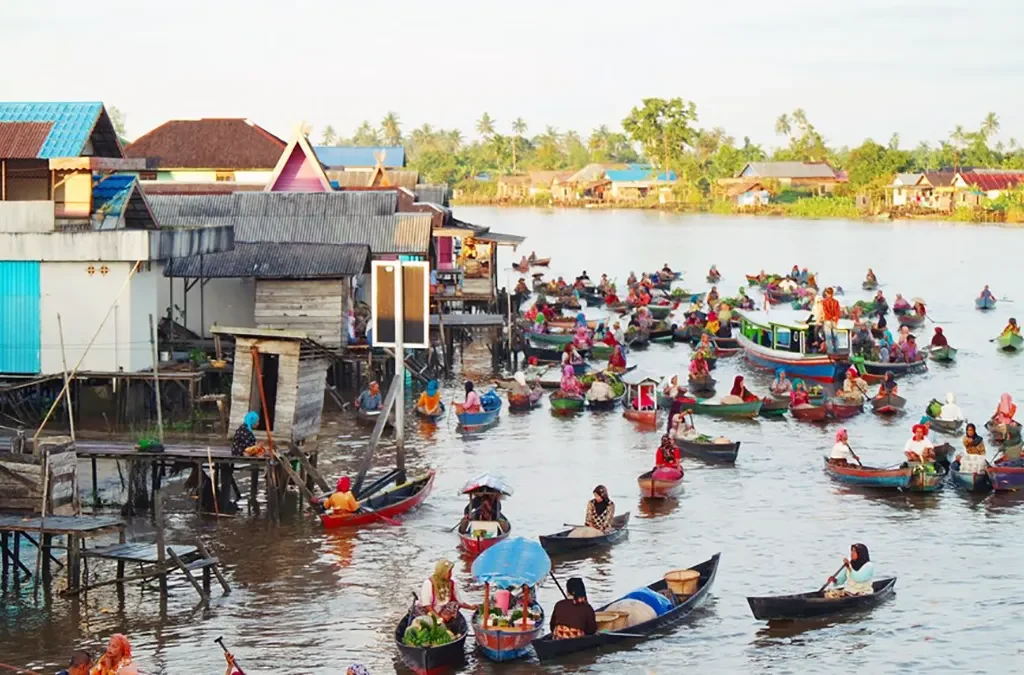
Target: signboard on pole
[414, 305]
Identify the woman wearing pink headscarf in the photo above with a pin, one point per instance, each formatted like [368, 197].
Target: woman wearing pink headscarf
[117, 660]
[1002, 420]
[570, 386]
[842, 453]
[582, 338]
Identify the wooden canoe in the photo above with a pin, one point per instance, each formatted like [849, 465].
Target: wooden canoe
[1010, 342]
[431, 416]
[867, 476]
[897, 369]
[748, 409]
[548, 648]
[609, 404]
[477, 421]
[524, 402]
[433, 660]
[1006, 478]
[651, 488]
[509, 643]
[648, 417]
[539, 262]
[911, 320]
[719, 453]
[814, 413]
[549, 338]
[566, 405]
[841, 410]
[1013, 432]
[600, 352]
[923, 481]
[972, 482]
[394, 502]
[773, 407]
[814, 605]
[945, 426]
[561, 543]
[869, 285]
[985, 303]
[888, 405]
[474, 546]
[942, 354]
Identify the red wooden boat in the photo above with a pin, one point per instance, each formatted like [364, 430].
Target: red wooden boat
[816, 413]
[396, 501]
[842, 410]
[474, 546]
[651, 488]
[642, 416]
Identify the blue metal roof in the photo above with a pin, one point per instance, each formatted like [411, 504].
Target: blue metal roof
[110, 195]
[637, 175]
[72, 124]
[347, 156]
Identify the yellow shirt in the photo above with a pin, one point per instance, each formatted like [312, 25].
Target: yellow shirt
[342, 501]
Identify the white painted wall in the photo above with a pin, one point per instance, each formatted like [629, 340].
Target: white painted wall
[226, 302]
[123, 245]
[26, 216]
[82, 300]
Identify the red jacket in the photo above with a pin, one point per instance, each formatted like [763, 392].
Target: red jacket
[830, 309]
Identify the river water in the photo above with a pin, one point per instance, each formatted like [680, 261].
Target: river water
[310, 601]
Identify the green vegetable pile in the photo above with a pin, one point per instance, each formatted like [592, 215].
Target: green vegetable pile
[427, 632]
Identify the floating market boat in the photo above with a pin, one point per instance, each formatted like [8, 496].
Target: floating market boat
[479, 420]
[747, 409]
[709, 450]
[924, 480]
[772, 407]
[1005, 478]
[897, 369]
[972, 482]
[549, 338]
[609, 404]
[431, 416]
[548, 648]
[911, 320]
[985, 303]
[942, 354]
[1010, 342]
[600, 351]
[385, 505]
[815, 605]
[641, 389]
[369, 418]
[888, 405]
[866, 476]
[783, 340]
[841, 409]
[945, 426]
[474, 542]
[869, 285]
[654, 488]
[1012, 434]
[566, 405]
[523, 402]
[660, 312]
[433, 660]
[809, 412]
[561, 543]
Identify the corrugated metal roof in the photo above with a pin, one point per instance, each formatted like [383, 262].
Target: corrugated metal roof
[110, 193]
[188, 210]
[787, 170]
[337, 156]
[72, 124]
[435, 194]
[993, 181]
[637, 175]
[592, 172]
[280, 261]
[23, 140]
[906, 179]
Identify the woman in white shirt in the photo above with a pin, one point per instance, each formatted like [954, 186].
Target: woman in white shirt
[842, 453]
[919, 448]
[951, 411]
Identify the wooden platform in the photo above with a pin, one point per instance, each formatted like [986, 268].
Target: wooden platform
[60, 525]
[137, 552]
[171, 453]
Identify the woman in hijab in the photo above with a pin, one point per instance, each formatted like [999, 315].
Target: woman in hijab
[570, 355]
[244, 438]
[573, 617]
[600, 510]
[644, 318]
[429, 401]
[668, 455]
[951, 412]
[570, 386]
[842, 453]
[439, 597]
[520, 387]
[699, 367]
[1003, 418]
[671, 388]
[781, 385]
[855, 389]
[540, 324]
[856, 576]
[581, 320]
[938, 339]
[973, 443]
[617, 361]
[582, 338]
[740, 390]
[342, 500]
[974, 461]
[888, 386]
[799, 396]
[472, 402]
[117, 660]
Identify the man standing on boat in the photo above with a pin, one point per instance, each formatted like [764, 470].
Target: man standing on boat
[830, 319]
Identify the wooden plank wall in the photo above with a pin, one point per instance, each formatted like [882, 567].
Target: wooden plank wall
[21, 482]
[287, 383]
[314, 307]
[310, 407]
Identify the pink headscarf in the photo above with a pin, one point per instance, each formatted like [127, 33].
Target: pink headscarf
[570, 385]
[842, 436]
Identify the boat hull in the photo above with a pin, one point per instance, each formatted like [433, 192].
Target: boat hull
[942, 355]
[750, 409]
[600, 406]
[1006, 478]
[389, 504]
[478, 421]
[524, 402]
[774, 407]
[815, 605]
[718, 453]
[474, 546]
[817, 368]
[864, 476]
[888, 405]
[1010, 342]
[432, 417]
[506, 645]
[817, 413]
[985, 303]
[651, 488]
[433, 660]
[562, 543]
[649, 417]
[566, 405]
[877, 368]
[972, 482]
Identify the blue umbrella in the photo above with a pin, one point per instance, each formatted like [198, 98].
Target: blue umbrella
[513, 562]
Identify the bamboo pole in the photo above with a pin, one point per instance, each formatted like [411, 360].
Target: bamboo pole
[81, 360]
[156, 379]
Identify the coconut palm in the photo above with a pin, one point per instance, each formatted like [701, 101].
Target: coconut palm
[328, 136]
[485, 125]
[990, 125]
[390, 128]
[782, 125]
[518, 128]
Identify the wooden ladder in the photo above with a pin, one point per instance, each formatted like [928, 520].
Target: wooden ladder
[201, 560]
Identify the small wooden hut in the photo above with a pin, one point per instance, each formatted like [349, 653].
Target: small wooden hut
[25, 475]
[292, 370]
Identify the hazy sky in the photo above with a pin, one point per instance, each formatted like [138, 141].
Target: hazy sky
[859, 68]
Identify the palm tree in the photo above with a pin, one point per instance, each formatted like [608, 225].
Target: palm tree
[990, 125]
[365, 135]
[894, 141]
[959, 137]
[518, 129]
[422, 136]
[782, 125]
[519, 126]
[485, 125]
[454, 138]
[390, 126]
[800, 118]
[328, 136]
[598, 138]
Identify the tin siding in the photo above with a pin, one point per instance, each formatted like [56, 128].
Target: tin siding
[19, 317]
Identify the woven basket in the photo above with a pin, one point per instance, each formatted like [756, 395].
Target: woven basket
[611, 621]
[682, 582]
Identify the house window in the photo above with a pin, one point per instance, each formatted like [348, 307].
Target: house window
[225, 176]
[147, 175]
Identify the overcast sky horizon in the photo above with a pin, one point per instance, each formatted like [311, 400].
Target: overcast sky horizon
[860, 69]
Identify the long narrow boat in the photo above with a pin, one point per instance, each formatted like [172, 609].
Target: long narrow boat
[549, 338]
[566, 405]
[702, 386]
[985, 303]
[809, 413]
[548, 648]
[543, 354]
[609, 404]
[477, 421]
[911, 320]
[539, 262]
[719, 453]
[748, 409]
[1013, 432]
[945, 426]
[942, 354]
[773, 407]
[783, 340]
[433, 660]
[652, 488]
[394, 502]
[867, 476]
[1010, 342]
[841, 410]
[474, 546]
[600, 351]
[869, 285]
[972, 482]
[923, 481]
[888, 405]
[814, 604]
[660, 312]
[431, 416]
[1006, 478]
[562, 543]
[524, 402]
[508, 643]
[897, 369]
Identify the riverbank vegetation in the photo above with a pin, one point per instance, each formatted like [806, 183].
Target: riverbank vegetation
[667, 134]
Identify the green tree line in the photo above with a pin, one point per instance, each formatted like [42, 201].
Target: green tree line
[667, 133]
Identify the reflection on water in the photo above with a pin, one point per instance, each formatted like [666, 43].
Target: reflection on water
[309, 601]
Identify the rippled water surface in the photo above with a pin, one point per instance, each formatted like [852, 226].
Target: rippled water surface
[310, 601]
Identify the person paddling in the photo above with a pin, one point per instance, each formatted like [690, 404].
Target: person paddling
[842, 453]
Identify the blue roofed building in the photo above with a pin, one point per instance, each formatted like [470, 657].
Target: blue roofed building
[352, 157]
[78, 240]
[639, 183]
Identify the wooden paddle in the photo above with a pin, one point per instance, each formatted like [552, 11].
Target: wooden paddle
[831, 577]
[234, 663]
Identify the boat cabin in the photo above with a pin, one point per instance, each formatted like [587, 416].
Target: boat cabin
[789, 332]
[641, 392]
